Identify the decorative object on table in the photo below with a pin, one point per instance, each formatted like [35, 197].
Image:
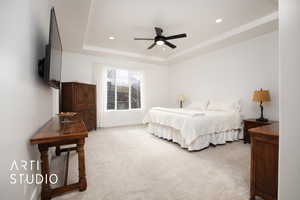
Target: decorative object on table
[65, 116]
[261, 96]
[181, 100]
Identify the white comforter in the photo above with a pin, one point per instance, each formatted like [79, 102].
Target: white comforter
[187, 112]
[192, 126]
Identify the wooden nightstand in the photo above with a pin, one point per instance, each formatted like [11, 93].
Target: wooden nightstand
[264, 161]
[252, 123]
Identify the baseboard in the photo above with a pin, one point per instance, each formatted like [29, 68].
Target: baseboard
[121, 125]
[35, 195]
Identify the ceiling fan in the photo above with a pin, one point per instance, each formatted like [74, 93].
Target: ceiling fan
[159, 39]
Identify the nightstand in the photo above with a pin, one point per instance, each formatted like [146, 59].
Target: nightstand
[252, 123]
[264, 161]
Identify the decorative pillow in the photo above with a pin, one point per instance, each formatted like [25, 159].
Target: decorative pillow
[198, 105]
[225, 106]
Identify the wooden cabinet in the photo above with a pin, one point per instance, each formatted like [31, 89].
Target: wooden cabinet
[80, 98]
[252, 123]
[264, 161]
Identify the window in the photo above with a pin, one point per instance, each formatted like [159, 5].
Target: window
[123, 89]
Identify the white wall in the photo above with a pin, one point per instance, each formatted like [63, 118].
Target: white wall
[26, 103]
[289, 158]
[81, 68]
[231, 73]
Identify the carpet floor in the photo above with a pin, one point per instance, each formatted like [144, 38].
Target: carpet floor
[127, 163]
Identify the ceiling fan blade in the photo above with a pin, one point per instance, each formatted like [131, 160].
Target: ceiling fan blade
[158, 31]
[143, 39]
[152, 46]
[176, 36]
[170, 44]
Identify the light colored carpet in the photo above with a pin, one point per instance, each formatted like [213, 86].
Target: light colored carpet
[127, 163]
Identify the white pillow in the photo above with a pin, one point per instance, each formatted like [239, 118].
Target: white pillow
[224, 106]
[198, 105]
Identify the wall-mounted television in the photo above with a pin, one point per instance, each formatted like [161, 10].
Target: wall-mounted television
[50, 67]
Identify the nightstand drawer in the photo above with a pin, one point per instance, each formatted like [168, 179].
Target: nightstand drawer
[252, 125]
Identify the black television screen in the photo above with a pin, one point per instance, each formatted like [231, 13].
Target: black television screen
[55, 52]
[50, 67]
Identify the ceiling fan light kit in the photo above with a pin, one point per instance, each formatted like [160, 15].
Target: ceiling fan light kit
[159, 39]
[160, 42]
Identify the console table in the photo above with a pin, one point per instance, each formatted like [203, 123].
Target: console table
[55, 133]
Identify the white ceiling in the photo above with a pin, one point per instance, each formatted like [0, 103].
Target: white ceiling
[86, 25]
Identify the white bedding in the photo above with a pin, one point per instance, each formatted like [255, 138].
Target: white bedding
[201, 142]
[187, 112]
[193, 126]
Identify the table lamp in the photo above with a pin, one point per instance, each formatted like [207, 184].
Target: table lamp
[261, 96]
[181, 99]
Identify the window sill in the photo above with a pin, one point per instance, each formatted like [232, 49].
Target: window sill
[131, 110]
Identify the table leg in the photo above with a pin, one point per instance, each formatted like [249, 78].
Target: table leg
[81, 163]
[45, 195]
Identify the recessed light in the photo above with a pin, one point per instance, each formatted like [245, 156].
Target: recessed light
[219, 20]
[111, 37]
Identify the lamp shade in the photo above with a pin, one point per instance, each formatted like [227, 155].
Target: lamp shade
[261, 96]
[181, 98]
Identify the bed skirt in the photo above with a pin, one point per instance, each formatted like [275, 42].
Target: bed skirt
[201, 142]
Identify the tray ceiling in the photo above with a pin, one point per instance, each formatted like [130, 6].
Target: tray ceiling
[87, 25]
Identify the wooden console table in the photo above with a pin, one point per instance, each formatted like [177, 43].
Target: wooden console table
[55, 134]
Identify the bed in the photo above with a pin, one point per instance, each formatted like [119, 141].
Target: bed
[196, 127]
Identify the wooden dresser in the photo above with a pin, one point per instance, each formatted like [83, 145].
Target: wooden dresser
[252, 123]
[80, 98]
[264, 161]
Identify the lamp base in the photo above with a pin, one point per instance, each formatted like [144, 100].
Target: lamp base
[262, 120]
[181, 104]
